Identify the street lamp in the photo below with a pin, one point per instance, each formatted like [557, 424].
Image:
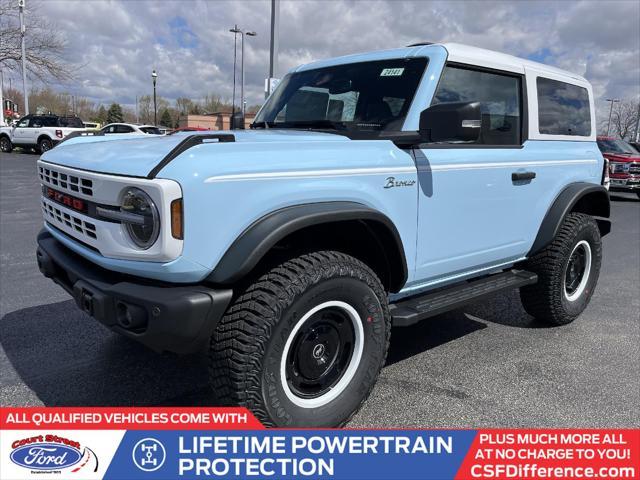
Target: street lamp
[612, 100]
[250, 34]
[21, 6]
[154, 76]
[235, 30]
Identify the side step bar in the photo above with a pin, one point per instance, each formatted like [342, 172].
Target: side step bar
[412, 310]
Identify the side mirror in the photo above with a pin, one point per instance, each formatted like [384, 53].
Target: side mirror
[451, 122]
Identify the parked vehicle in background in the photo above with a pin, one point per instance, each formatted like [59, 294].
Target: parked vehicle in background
[373, 190]
[130, 128]
[92, 125]
[624, 164]
[41, 132]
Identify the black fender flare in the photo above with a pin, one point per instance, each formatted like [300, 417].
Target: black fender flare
[573, 198]
[258, 239]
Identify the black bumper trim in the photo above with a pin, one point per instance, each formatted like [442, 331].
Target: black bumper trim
[164, 316]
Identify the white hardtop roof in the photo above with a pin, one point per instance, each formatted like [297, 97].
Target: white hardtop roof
[455, 53]
[479, 56]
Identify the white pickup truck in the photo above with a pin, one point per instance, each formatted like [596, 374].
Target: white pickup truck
[40, 132]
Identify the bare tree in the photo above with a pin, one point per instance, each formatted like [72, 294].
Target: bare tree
[625, 118]
[44, 43]
[183, 105]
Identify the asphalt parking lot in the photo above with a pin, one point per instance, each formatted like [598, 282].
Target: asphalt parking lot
[488, 365]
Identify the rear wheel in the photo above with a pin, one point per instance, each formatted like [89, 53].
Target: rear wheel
[5, 144]
[304, 344]
[567, 270]
[44, 145]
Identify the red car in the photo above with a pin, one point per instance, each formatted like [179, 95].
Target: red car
[624, 164]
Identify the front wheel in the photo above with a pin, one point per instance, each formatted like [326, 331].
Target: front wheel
[304, 344]
[567, 270]
[5, 144]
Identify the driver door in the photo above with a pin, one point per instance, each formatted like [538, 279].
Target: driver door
[472, 215]
[21, 130]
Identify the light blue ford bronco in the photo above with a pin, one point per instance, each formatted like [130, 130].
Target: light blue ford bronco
[373, 190]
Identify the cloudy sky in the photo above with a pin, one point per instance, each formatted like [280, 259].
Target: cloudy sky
[118, 43]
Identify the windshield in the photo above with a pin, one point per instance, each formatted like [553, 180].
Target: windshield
[615, 146]
[366, 96]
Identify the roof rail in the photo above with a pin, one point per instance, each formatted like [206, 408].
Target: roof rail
[420, 44]
[186, 144]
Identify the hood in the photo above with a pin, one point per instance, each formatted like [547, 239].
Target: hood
[135, 155]
[614, 157]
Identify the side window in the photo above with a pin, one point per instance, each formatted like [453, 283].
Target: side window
[49, 122]
[500, 101]
[123, 129]
[24, 122]
[36, 122]
[563, 109]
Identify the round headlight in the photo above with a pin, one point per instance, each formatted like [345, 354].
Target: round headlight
[145, 227]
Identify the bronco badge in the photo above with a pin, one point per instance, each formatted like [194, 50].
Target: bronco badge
[392, 182]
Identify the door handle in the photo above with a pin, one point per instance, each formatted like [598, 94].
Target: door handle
[519, 176]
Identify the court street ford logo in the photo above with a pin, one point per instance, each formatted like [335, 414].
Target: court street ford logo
[45, 456]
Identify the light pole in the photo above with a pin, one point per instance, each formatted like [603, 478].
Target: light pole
[21, 5]
[612, 100]
[250, 34]
[273, 45]
[637, 134]
[154, 76]
[1, 98]
[235, 30]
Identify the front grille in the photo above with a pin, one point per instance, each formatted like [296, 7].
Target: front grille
[617, 167]
[70, 183]
[634, 169]
[59, 218]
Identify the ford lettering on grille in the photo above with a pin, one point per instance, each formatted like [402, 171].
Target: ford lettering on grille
[66, 200]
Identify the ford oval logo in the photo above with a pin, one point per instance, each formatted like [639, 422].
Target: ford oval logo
[45, 456]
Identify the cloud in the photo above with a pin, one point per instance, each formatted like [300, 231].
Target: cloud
[118, 43]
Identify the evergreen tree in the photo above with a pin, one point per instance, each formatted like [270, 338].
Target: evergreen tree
[165, 119]
[115, 113]
[101, 116]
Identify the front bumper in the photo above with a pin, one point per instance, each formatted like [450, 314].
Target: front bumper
[163, 316]
[628, 184]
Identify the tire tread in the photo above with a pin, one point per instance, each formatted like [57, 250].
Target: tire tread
[543, 300]
[239, 342]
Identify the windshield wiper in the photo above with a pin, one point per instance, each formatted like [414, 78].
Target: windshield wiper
[262, 124]
[312, 124]
[303, 124]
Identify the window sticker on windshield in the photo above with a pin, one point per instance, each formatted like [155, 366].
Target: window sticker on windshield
[392, 72]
